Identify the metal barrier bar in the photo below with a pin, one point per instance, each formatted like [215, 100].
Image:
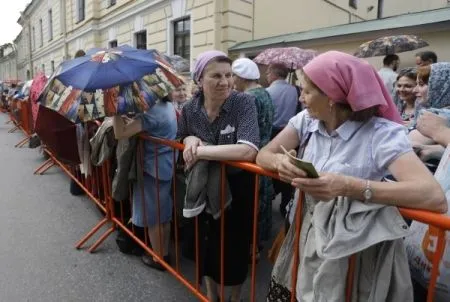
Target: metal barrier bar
[440, 221]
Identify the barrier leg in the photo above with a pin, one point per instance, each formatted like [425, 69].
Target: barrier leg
[101, 239]
[44, 165]
[91, 233]
[22, 142]
[8, 122]
[14, 129]
[47, 168]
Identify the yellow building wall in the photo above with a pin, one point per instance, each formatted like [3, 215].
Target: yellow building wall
[398, 7]
[236, 23]
[84, 42]
[72, 22]
[203, 35]
[274, 18]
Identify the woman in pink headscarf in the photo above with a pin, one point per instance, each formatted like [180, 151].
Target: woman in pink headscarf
[352, 133]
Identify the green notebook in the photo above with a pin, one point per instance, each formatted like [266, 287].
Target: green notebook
[304, 165]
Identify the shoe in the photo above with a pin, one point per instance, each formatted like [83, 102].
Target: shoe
[148, 260]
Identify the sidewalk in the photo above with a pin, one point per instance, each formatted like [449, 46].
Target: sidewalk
[40, 223]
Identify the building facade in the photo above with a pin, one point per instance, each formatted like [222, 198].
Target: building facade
[345, 24]
[53, 30]
[8, 63]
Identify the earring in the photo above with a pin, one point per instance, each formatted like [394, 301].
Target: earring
[331, 107]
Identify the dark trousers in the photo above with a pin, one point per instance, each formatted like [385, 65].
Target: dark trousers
[285, 189]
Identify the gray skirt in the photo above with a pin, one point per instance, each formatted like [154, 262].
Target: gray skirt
[149, 216]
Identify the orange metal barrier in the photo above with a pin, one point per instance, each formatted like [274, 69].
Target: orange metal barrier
[441, 222]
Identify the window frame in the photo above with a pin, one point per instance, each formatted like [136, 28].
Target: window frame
[41, 31]
[81, 10]
[33, 42]
[111, 3]
[110, 43]
[137, 34]
[184, 35]
[50, 24]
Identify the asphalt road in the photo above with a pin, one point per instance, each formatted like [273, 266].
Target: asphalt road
[40, 221]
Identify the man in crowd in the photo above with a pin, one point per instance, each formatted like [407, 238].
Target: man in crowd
[388, 72]
[426, 58]
[285, 99]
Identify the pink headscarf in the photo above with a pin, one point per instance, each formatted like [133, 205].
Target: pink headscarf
[203, 60]
[347, 79]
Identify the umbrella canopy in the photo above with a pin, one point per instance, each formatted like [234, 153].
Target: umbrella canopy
[110, 67]
[389, 45]
[36, 88]
[110, 88]
[59, 135]
[291, 57]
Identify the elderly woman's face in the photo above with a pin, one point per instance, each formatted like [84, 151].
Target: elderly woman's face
[217, 80]
[405, 89]
[317, 103]
[421, 91]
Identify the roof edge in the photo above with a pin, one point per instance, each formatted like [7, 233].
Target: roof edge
[420, 18]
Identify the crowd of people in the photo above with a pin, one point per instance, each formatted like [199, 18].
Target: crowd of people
[354, 124]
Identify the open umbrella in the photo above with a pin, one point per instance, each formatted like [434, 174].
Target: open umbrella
[36, 88]
[116, 81]
[389, 45]
[111, 67]
[291, 57]
[59, 135]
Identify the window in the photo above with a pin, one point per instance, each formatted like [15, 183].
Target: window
[141, 39]
[353, 3]
[112, 2]
[33, 43]
[50, 25]
[81, 10]
[182, 38]
[41, 29]
[52, 63]
[112, 44]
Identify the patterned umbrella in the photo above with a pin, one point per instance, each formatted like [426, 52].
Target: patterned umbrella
[120, 91]
[390, 45]
[291, 57]
[36, 88]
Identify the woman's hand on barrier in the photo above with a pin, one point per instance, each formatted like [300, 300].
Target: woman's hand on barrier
[190, 150]
[286, 169]
[327, 187]
[429, 124]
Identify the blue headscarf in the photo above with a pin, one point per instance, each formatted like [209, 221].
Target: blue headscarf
[439, 85]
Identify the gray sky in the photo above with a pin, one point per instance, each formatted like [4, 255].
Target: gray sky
[9, 14]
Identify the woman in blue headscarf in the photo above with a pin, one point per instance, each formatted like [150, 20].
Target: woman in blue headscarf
[432, 110]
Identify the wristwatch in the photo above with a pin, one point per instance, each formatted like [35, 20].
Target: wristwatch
[368, 193]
